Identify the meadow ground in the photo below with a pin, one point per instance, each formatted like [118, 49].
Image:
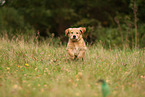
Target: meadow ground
[39, 70]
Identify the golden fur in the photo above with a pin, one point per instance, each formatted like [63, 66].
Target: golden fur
[76, 46]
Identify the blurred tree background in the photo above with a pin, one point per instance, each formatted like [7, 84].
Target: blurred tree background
[116, 23]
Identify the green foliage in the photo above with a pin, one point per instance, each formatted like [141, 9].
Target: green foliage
[112, 22]
[141, 35]
[12, 23]
[10, 19]
[111, 37]
[85, 23]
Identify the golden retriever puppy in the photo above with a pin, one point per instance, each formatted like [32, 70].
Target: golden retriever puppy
[76, 46]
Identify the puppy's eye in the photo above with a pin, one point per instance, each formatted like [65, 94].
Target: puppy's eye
[77, 33]
[71, 32]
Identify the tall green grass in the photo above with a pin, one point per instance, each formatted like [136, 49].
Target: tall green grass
[33, 69]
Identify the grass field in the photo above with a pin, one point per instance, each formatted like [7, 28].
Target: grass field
[39, 70]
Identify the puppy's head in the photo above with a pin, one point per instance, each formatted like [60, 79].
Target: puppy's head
[75, 33]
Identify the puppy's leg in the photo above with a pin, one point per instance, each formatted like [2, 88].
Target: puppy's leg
[81, 55]
[71, 53]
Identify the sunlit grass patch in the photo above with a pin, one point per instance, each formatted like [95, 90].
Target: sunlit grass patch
[34, 70]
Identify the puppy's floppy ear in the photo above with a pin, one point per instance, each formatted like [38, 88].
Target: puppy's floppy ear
[82, 29]
[66, 31]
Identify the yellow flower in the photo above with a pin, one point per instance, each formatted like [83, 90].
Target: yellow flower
[26, 64]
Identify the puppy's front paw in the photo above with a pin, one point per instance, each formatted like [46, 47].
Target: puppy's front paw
[72, 57]
[76, 53]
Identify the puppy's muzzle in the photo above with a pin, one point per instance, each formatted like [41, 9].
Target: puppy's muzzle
[74, 36]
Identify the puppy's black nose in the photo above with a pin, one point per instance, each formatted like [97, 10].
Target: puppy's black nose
[74, 37]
